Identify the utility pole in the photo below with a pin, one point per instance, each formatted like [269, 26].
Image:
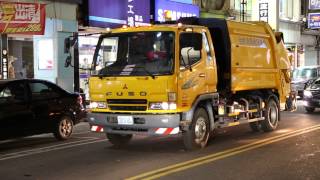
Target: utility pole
[243, 5]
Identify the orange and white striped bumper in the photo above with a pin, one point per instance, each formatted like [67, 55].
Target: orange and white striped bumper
[97, 129]
[167, 131]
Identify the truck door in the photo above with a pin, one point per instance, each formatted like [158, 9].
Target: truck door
[209, 56]
[193, 67]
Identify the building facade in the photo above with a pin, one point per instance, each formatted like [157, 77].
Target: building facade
[42, 56]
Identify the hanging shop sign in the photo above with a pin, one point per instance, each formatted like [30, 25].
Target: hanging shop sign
[166, 10]
[111, 13]
[314, 20]
[266, 10]
[22, 18]
[314, 4]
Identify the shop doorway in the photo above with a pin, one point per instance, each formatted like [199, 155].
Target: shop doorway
[20, 58]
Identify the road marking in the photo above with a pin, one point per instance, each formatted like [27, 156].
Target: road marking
[220, 155]
[49, 148]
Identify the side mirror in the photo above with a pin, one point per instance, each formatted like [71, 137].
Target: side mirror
[67, 62]
[67, 45]
[190, 55]
[279, 36]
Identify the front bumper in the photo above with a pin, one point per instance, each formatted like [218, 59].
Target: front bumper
[311, 103]
[146, 124]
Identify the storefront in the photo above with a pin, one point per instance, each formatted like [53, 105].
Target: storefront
[33, 40]
[18, 23]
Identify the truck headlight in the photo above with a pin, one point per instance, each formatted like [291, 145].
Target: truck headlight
[99, 105]
[307, 93]
[162, 106]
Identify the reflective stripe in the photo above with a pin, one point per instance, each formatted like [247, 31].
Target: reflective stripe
[97, 129]
[175, 130]
[161, 130]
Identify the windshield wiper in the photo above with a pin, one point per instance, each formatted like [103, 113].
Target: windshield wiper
[145, 70]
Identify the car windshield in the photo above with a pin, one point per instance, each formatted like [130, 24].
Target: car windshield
[135, 54]
[303, 74]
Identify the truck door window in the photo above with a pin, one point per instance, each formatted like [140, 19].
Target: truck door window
[207, 46]
[190, 49]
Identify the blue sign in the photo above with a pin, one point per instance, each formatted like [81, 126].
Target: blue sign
[166, 10]
[111, 13]
[314, 20]
[314, 4]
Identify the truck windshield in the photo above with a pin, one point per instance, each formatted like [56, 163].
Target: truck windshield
[135, 54]
[303, 74]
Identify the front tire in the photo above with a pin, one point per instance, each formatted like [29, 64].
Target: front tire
[271, 115]
[63, 128]
[119, 140]
[198, 134]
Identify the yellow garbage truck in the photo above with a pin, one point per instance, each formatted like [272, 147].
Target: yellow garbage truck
[189, 77]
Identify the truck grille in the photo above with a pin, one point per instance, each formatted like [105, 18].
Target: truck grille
[127, 101]
[128, 108]
[127, 104]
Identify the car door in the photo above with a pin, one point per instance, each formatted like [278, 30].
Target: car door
[15, 115]
[39, 105]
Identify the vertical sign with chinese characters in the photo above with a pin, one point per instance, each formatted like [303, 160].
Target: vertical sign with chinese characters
[22, 18]
[264, 11]
[267, 11]
[113, 14]
[136, 14]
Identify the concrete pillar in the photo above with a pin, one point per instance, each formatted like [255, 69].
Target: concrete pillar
[50, 47]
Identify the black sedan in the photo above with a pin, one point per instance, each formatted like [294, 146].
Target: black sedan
[311, 96]
[30, 107]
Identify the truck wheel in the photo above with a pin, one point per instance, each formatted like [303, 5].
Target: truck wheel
[255, 126]
[119, 140]
[271, 115]
[63, 128]
[198, 134]
[310, 109]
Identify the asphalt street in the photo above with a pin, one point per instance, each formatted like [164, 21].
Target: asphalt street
[291, 152]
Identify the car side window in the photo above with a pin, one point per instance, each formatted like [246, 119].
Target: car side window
[13, 93]
[41, 91]
[5, 95]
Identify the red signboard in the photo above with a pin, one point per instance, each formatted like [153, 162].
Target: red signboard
[22, 18]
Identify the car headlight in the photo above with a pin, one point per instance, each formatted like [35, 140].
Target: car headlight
[99, 105]
[162, 106]
[307, 93]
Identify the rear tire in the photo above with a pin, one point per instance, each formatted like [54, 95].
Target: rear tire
[198, 134]
[63, 128]
[271, 115]
[309, 109]
[119, 140]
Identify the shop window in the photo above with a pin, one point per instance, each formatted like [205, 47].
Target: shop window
[286, 9]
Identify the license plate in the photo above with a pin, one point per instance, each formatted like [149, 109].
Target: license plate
[125, 120]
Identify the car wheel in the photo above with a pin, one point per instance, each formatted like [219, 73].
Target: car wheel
[309, 109]
[119, 140]
[271, 115]
[63, 128]
[198, 134]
